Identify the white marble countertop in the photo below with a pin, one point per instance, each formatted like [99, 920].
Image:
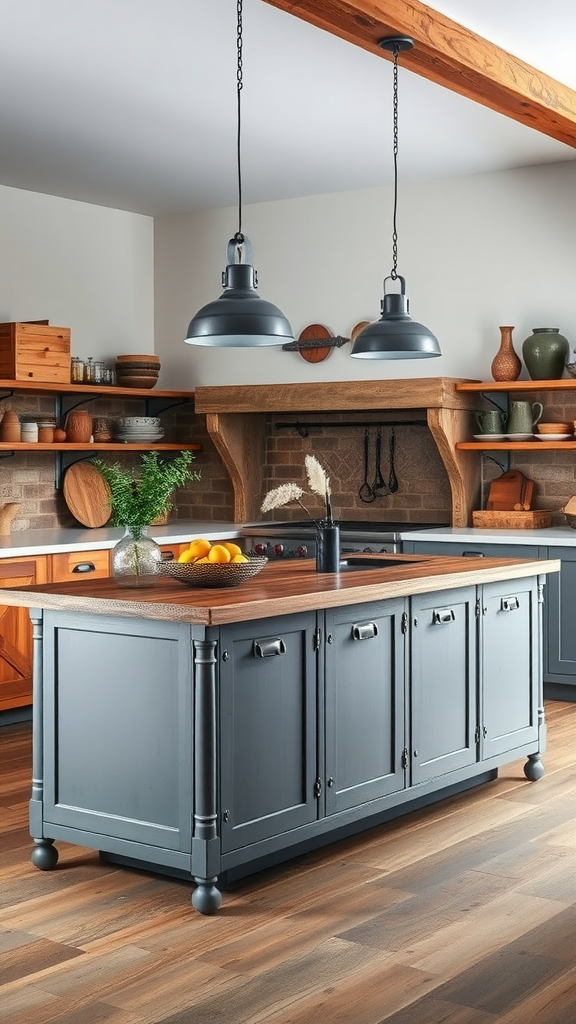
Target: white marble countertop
[46, 542]
[561, 536]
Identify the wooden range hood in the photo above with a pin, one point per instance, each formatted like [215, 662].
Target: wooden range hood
[236, 423]
[450, 55]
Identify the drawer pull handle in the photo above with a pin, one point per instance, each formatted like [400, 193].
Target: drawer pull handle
[509, 604]
[473, 554]
[167, 556]
[442, 615]
[84, 567]
[364, 630]
[269, 648]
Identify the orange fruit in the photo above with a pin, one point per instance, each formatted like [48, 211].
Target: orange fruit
[218, 553]
[187, 556]
[234, 549]
[199, 547]
[202, 561]
[239, 558]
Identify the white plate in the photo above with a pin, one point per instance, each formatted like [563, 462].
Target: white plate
[552, 437]
[489, 437]
[519, 437]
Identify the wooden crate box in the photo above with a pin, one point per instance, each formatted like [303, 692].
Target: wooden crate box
[35, 352]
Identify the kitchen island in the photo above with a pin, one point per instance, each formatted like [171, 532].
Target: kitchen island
[210, 732]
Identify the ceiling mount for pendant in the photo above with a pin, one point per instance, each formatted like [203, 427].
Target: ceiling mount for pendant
[395, 335]
[239, 318]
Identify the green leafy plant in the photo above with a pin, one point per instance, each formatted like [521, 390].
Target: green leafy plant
[139, 495]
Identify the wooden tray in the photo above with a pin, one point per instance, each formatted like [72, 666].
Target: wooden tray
[491, 519]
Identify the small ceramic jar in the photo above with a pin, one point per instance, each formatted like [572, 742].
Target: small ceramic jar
[29, 431]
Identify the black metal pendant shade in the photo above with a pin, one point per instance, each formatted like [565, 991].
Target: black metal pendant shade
[240, 318]
[395, 335]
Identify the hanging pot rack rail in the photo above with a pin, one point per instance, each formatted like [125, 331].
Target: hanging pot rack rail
[303, 427]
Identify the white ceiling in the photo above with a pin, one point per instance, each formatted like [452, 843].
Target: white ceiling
[132, 103]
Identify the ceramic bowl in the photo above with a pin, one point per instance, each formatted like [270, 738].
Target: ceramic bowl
[552, 437]
[554, 428]
[214, 574]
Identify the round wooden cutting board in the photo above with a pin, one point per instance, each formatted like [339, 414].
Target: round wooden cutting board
[316, 353]
[87, 494]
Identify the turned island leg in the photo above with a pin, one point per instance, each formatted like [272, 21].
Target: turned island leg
[534, 769]
[206, 898]
[45, 855]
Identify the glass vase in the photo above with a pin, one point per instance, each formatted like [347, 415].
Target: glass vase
[327, 547]
[136, 558]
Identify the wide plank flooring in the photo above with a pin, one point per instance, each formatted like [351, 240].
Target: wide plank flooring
[463, 913]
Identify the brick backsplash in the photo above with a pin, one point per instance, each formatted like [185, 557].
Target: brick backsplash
[423, 493]
[29, 477]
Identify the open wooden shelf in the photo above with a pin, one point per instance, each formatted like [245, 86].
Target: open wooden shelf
[95, 390]
[99, 446]
[515, 446]
[565, 384]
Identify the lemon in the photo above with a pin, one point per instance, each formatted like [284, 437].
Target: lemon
[218, 553]
[199, 547]
[202, 561]
[187, 556]
[232, 548]
[239, 558]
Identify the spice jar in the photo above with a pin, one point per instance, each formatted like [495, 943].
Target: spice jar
[89, 371]
[77, 370]
[29, 431]
[45, 434]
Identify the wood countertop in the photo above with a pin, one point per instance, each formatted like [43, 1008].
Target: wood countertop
[280, 589]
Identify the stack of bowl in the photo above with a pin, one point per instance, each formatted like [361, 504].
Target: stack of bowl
[135, 371]
[554, 431]
[138, 429]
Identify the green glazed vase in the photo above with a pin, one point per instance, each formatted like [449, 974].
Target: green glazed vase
[545, 353]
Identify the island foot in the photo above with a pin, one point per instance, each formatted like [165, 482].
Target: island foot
[534, 769]
[206, 898]
[45, 854]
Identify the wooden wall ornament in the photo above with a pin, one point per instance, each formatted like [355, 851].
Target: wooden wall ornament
[315, 343]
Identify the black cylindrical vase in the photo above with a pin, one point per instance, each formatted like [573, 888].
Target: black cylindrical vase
[327, 547]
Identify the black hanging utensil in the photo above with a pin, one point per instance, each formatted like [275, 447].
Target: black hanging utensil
[366, 492]
[393, 479]
[379, 485]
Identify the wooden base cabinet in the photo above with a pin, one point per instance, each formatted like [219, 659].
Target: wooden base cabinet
[16, 632]
[210, 751]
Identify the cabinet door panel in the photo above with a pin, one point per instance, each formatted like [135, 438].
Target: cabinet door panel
[364, 682]
[268, 725]
[510, 669]
[444, 706]
[560, 594]
[77, 565]
[471, 548]
[16, 633]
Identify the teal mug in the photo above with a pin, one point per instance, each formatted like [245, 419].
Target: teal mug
[524, 416]
[491, 421]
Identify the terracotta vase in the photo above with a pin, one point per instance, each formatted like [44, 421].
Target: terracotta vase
[10, 430]
[78, 426]
[506, 365]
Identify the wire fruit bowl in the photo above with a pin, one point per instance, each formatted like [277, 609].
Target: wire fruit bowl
[214, 574]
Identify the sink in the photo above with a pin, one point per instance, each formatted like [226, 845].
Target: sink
[359, 562]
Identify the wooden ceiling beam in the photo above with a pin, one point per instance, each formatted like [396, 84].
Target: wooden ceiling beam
[451, 56]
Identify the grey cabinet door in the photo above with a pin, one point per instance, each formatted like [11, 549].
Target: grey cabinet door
[364, 686]
[509, 666]
[443, 645]
[117, 728]
[268, 716]
[560, 619]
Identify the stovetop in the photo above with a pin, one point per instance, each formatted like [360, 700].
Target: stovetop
[346, 526]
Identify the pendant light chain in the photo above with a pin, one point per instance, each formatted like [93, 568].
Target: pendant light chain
[239, 237]
[394, 271]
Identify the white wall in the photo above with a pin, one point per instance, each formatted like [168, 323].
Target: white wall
[476, 252]
[86, 267]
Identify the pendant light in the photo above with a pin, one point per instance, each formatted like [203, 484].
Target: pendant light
[239, 318]
[395, 335]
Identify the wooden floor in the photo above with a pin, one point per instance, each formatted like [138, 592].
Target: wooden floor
[464, 913]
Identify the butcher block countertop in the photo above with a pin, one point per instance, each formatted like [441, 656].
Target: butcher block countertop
[279, 589]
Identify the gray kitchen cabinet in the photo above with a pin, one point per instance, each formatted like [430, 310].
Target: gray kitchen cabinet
[471, 548]
[268, 728]
[560, 631]
[511, 711]
[364, 689]
[443, 644]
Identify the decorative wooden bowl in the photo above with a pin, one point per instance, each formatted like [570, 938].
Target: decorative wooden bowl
[214, 574]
